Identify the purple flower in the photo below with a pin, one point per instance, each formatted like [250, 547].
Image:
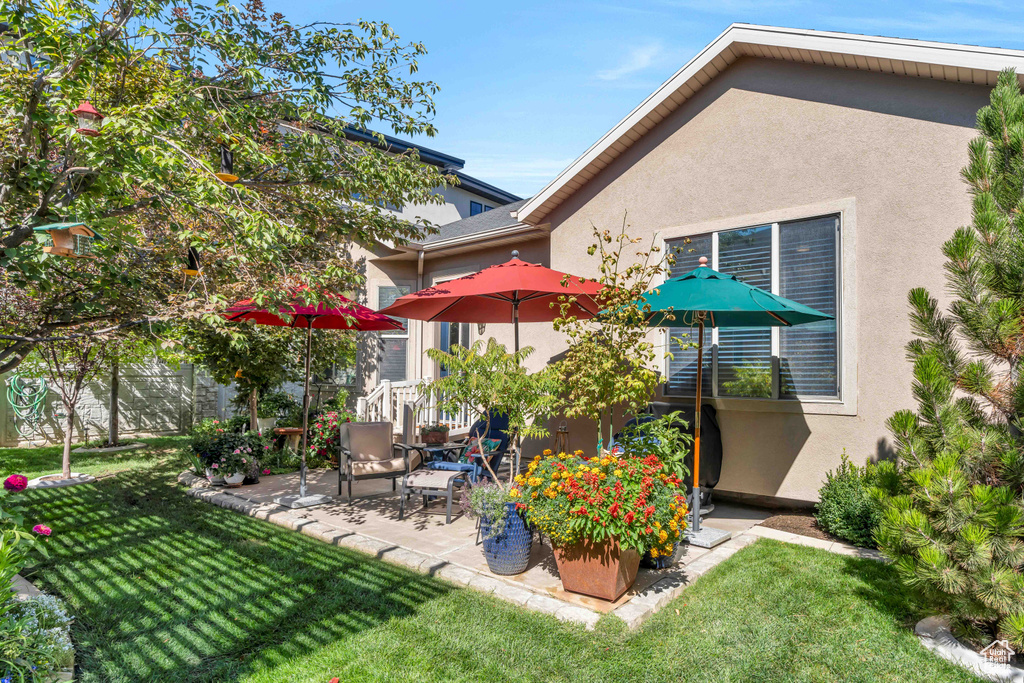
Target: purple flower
[16, 482]
[42, 530]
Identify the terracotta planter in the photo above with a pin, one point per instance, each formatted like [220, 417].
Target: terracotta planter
[602, 570]
[435, 438]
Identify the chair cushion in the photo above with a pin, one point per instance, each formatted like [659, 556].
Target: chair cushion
[451, 466]
[369, 441]
[361, 468]
[489, 446]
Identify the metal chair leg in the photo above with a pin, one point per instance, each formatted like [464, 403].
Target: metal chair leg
[349, 501]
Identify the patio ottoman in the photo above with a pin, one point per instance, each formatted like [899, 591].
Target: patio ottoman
[430, 483]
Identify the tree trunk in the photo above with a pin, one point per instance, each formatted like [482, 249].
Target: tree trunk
[69, 429]
[254, 398]
[113, 436]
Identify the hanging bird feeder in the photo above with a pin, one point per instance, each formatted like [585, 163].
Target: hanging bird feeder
[74, 240]
[89, 120]
[227, 164]
[193, 268]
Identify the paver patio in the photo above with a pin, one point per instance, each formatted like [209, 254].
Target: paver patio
[423, 540]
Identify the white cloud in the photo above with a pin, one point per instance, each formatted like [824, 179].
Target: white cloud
[638, 59]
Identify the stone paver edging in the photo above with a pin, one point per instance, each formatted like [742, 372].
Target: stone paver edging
[634, 612]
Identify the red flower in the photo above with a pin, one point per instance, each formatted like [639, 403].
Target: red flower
[42, 530]
[628, 519]
[16, 482]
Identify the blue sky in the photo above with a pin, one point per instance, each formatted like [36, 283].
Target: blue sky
[527, 86]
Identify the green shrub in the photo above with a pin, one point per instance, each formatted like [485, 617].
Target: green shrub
[847, 507]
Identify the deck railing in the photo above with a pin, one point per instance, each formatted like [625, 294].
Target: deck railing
[387, 401]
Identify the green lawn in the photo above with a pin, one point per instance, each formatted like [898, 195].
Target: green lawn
[35, 462]
[168, 588]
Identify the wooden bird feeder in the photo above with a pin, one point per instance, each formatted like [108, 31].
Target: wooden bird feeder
[74, 240]
[89, 120]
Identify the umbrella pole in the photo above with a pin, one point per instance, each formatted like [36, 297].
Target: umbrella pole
[305, 408]
[696, 428]
[515, 326]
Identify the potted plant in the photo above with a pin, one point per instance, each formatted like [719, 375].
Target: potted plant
[434, 433]
[271, 407]
[601, 515]
[506, 538]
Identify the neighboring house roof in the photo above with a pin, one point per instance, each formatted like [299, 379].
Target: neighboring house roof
[448, 163]
[923, 59]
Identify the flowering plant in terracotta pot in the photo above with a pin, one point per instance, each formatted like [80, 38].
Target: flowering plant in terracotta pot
[607, 510]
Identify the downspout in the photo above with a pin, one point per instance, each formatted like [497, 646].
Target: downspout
[419, 323]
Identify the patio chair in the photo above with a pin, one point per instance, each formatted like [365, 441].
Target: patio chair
[368, 451]
[476, 468]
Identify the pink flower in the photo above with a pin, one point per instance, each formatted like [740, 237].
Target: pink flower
[215, 465]
[266, 471]
[42, 529]
[243, 461]
[266, 448]
[16, 482]
[237, 451]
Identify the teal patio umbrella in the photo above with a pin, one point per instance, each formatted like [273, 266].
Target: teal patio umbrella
[707, 298]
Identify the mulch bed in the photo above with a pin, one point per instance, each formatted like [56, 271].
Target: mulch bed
[799, 523]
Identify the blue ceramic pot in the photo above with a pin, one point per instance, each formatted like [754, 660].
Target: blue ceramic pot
[509, 552]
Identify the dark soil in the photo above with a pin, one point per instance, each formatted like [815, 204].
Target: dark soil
[802, 523]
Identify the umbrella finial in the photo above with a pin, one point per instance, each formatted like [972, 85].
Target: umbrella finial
[515, 253]
[703, 261]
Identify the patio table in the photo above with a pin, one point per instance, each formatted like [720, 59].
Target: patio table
[430, 483]
[431, 451]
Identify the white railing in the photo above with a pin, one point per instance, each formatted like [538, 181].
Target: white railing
[387, 401]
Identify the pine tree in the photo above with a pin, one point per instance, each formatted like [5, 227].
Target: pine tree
[956, 530]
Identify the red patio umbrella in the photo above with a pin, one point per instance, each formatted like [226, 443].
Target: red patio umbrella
[339, 313]
[505, 293]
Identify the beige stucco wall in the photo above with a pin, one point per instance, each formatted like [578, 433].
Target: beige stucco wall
[762, 140]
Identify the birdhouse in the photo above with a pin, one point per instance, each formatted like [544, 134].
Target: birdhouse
[227, 164]
[74, 240]
[89, 120]
[193, 268]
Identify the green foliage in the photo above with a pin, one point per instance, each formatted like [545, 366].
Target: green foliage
[175, 80]
[608, 361]
[42, 625]
[632, 500]
[324, 439]
[488, 502]
[276, 404]
[751, 380]
[847, 507]
[660, 437]
[213, 446]
[956, 534]
[491, 380]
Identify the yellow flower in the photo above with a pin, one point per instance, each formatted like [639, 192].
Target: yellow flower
[606, 461]
[617, 473]
[534, 496]
[663, 536]
[547, 451]
[556, 475]
[595, 459]
[514, 493]
[578, 451]
[654, 552]
[534, 481]
[519, 479]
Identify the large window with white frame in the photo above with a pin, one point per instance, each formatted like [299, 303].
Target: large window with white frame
[795, 259]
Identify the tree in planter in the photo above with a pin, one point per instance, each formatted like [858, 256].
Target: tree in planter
[956, 531]
[182, 87]
[488, 379]
[608, 362]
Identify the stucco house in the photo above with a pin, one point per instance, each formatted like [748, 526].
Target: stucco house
[822, 166]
